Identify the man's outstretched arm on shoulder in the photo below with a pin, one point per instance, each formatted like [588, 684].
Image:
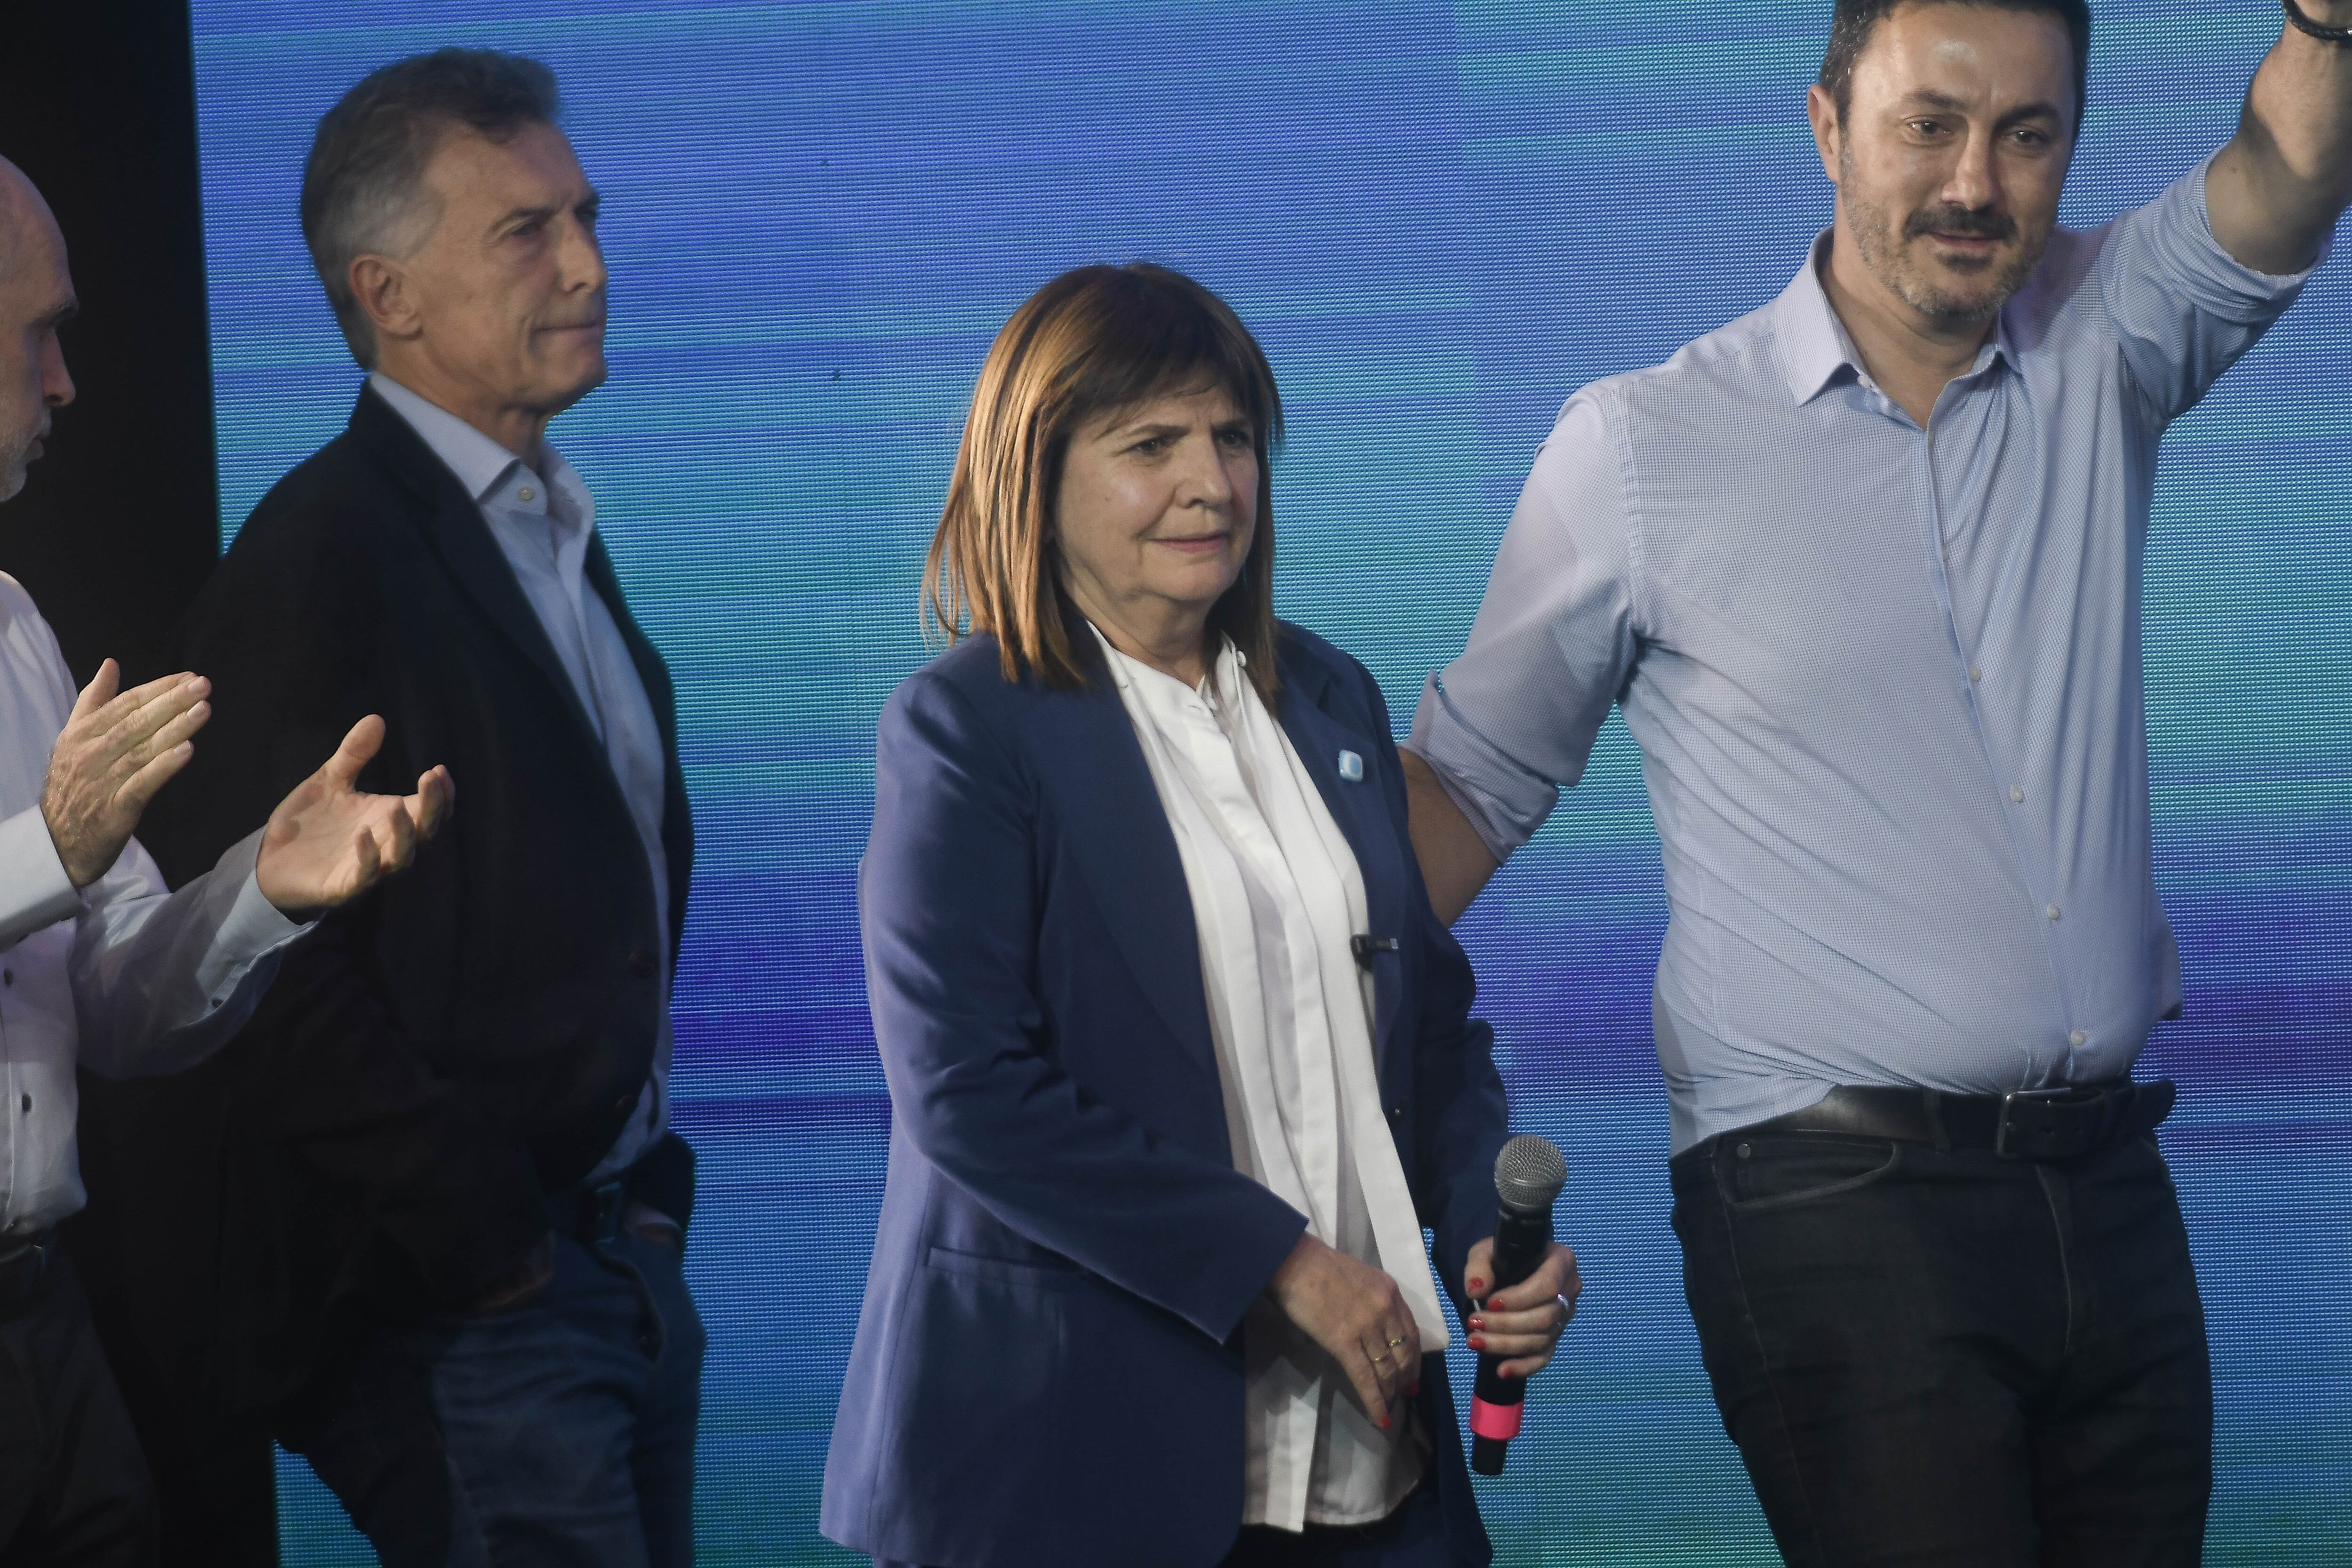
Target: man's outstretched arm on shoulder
[1455, 863]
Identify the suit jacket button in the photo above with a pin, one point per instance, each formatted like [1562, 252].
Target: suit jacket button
[641, 965]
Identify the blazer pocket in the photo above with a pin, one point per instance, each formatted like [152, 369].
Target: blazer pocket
[1003, 1271]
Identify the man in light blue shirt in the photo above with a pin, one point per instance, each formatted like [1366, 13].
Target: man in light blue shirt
[1862, 569]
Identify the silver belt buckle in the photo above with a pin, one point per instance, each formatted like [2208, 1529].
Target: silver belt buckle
[2008, 1104]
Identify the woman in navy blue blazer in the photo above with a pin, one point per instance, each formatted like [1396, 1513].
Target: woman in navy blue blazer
[1181, 1062]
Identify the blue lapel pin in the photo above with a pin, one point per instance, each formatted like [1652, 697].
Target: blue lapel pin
[1352, 767]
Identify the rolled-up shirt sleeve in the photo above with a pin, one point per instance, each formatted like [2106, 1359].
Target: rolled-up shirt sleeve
[161, 980]
[2184, 309]
[1511, 722]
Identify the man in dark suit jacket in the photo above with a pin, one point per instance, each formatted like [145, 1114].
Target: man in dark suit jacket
[449, 1235]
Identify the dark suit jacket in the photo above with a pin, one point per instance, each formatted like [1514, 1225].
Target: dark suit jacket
[435, 1059]
[1047, 1365]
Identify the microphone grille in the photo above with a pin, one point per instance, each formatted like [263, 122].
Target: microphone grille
[1530, 1174]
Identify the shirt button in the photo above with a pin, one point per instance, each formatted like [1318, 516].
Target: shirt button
[1975, 674]
[2052, 911]
[2077, 1038]
[2016, 793]
[526, 492]
[641, 965]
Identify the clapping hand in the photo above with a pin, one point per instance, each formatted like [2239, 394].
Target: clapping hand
[1523, 1323]
[117, 750]
[327, 844]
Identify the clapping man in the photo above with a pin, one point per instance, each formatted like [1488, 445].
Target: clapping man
[99, 965]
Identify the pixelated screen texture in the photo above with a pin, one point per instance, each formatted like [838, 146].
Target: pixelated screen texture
[1441, 220]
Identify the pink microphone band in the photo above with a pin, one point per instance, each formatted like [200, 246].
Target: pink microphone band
[1500, 1422]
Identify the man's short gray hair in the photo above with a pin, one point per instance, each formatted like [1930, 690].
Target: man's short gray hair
[362, 189]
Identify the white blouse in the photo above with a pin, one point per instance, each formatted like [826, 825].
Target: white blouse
[1277, 896]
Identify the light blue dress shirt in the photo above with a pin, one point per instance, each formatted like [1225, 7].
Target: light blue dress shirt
[542, 516]
[1885, 680]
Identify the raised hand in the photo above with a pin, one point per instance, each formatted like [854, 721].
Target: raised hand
[117, 750]
[1356, 1312]
[1523, 1323]
[327, 844]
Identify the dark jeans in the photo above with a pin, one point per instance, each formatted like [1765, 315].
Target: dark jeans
[73, 1485]
[558, 1435]
[1949, 1358]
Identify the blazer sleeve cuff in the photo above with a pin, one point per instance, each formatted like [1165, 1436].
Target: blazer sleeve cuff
[1225, 1300]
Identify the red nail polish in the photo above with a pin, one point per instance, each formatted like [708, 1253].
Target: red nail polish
[1478, 1342]
[1477, 1324]
[1477, 1287]
[1384, 1423]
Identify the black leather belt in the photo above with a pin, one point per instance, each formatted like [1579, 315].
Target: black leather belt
[2024, 1124]
[22, 1265]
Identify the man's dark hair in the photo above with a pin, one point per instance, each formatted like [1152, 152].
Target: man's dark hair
[363, 188]
[1856, 20]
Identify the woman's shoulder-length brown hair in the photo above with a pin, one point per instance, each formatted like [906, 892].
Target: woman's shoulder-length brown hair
[1090, 344]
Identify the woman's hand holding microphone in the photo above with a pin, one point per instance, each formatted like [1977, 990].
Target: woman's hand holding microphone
[1523, 1321]
[1356, 1312]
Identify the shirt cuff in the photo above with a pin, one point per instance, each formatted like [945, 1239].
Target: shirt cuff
[35, 890]
[253, 927]
[2228, 286]
[1504, 802]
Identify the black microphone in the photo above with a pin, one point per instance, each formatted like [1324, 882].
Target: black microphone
[1529, 1174]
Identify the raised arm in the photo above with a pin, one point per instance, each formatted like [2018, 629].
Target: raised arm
[2275, 192]
[162, 980]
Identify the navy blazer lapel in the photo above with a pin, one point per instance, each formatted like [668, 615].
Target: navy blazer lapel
[453, 526]
[1359, 805]
[1109, 813]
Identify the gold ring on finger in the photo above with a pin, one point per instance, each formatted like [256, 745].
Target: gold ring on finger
[1396, 1341]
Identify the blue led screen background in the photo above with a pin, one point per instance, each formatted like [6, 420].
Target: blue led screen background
[1440, 220]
